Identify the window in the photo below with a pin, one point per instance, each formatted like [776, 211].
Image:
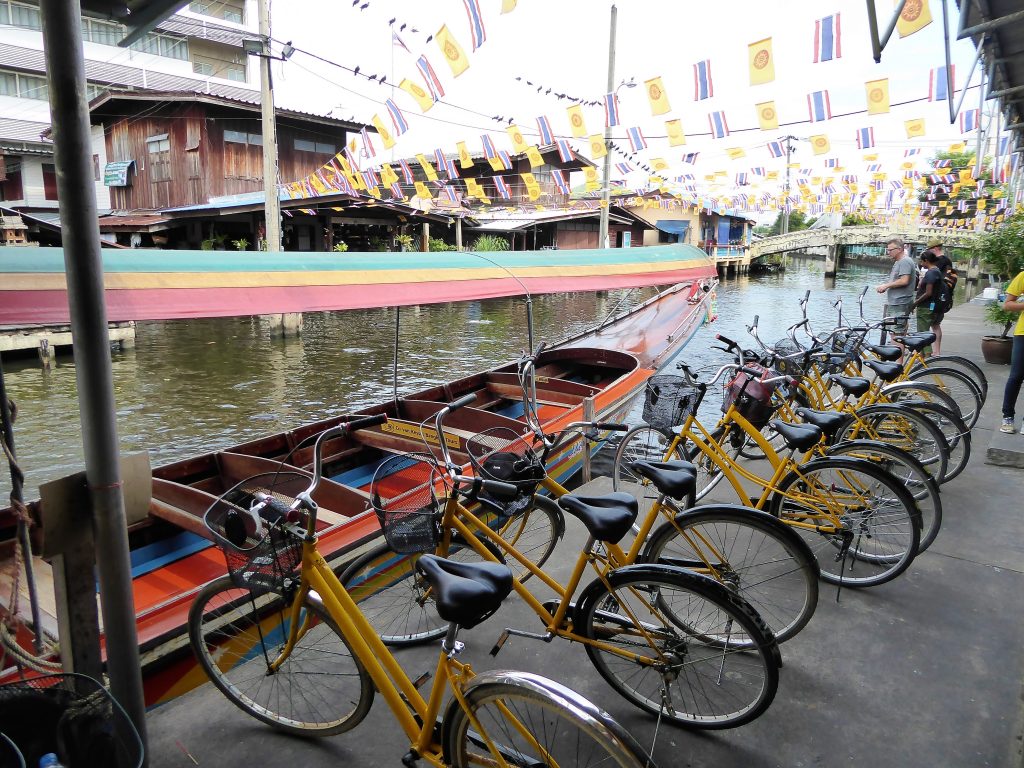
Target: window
[23, 86]
[24, 16]
[241, 137]
[159, 148]
[305, 145]
[202, 68]
[102, 32]
[228, 10]
[49, 181]
[10, 186]
[216, 67]
[235, 72]
[95, 167]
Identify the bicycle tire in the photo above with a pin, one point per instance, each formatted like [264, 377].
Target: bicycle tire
[732, 439]
[234, 633]
[689, 621]
[563, 727]
[395, 598]
[898, 521]
[957, 385]
[766, 562]
[642, 443]
[903, 427]
[903, 391]
[910, 472]
[954, 430]
[963, 364]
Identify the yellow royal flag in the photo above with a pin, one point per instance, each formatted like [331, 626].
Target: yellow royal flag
[657, 96]
[878, 96]
[965, 175]
[981, 203]
[597, 147]
[422, 191]
[957, 147]
[422, 97]
[579, 128]
[772, 176]
[590, 174]
[534, 156]
[735, 153]
[388, 175]
[465, 159]
[767, 117]
[659, 163]
[907, 166]
[762, 63]
[507, 6]
[497, 164]
[383, 132]
[819, 144]
[914, 17]
[914, 128]
[427, 167]
[870, 158]
[452, 51]
[674, 129]
[516, 134]
[532, 187]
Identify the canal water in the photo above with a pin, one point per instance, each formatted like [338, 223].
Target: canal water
[199, 385]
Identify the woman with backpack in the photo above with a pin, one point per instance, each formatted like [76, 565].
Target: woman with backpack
[931, 300]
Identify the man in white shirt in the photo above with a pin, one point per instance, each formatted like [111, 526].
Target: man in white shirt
[899, 288]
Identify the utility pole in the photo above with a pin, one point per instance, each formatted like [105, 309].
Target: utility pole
[602, 236]
[785, 203]
[272, 209]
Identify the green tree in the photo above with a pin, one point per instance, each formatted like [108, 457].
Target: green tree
[797, 221]
[856, 220]
[1002, 249]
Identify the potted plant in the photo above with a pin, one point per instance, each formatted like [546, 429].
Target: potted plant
[997, 349]
[404, 242]
[240, 244]
[1002, 254]
[340, 247]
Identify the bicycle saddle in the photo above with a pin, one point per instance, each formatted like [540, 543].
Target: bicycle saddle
[852, 385]
[799, 436]
[676, 479]
[886, 352]
[465, 593]
[828, 422]
[918, 341]
[607, 517]
[885, 371]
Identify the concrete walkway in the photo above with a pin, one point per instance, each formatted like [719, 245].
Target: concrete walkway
[924, 671]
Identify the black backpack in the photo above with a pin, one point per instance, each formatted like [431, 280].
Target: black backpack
[949, 281]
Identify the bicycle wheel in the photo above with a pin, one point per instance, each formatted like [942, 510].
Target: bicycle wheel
[641, 443]
[905, 428]
[751, 553]
[533, 722]
[731, 439]
[878, 516]
[902, 391]
[969, 367]
[954, 430]
[320, 689]
[680, 646]
[958, 385]
[395, 598]
[533, 532]
[907, 470]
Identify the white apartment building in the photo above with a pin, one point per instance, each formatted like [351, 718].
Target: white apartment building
[198, 49]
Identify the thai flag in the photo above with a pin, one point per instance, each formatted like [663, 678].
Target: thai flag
[430, 77]
[367, 144]
[367, 178]
[397, 118]
[489, 149]
[636, 139]
[564, 151]
[865, 138]
[505, 159]
[826, 39]
[874, 168]
[968, 120]
[396, 191]
[611, 110]
[439, 158]
[502, 187]
[1004, 146]
[476, 22]
[758, 171]
[741, 180]
[818, 106]
[703, 87]
[350, 155]
[690, 158]
[999, 173]
[775, 149]
[938, 86]
[407, 174]
[449, 192]
[449, 168]
[911, 152]
[719, 126]
[544, 129]
[831, 162]
[560, 182]
[624, 168]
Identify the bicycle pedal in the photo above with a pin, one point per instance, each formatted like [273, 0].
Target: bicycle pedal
[419, 681]
[501, 641]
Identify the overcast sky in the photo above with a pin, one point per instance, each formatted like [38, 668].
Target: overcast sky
[563, 45]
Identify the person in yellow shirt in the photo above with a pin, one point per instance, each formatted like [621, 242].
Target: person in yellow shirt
[1013, 303]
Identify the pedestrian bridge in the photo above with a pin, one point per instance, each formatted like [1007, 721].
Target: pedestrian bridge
[834, 239]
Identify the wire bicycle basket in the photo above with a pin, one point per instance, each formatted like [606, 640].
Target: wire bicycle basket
[71, 715]
[752, 397]
[668, 401]
[501, 454]
[407, 493]
[261, 554]
[791, 366]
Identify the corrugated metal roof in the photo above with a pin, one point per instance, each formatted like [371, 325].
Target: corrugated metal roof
[22, 130]
[118, 75]
[204, 30]
[491, 221]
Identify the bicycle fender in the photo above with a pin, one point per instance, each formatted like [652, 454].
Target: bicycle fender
[784, 531]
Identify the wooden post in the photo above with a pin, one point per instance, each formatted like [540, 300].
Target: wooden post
[46, 353]
[458, 234]
[588, 415]
[832, 259]
[425, 237]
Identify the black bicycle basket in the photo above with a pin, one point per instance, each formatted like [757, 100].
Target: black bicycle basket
[668, 400]
[407, 493]
[70, 715]
[753, 398]
[264, 555]
[501, 454]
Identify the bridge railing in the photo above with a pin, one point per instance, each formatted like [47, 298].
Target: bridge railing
[861, 235]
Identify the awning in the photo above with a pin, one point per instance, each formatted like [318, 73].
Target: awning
[117, 173]
[673, 226]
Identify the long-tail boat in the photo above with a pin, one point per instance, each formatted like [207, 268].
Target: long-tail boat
[173, 557]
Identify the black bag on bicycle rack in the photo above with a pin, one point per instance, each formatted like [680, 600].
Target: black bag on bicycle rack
[500, 454]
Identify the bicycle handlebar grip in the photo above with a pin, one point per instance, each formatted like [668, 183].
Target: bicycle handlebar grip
[365, 422]
[611, 426]
[727, 341]
[272, 510]
[464, 400]
[500, 489]
[807, 295]
[756, 318]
